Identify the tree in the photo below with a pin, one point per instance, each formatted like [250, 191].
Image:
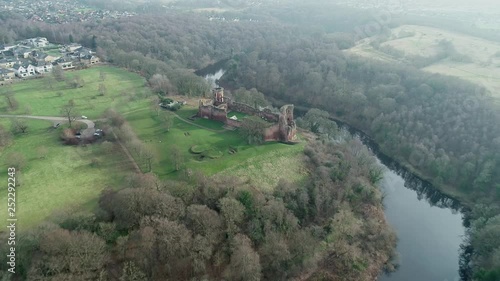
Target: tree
[252, 129]
[71, 39]
[245, 262]
[19, 126]
[76, 82]
[11, 100]
[16, 160]
[161, 84]
[155, 104]
[233, 213]
[177, 157]
[132, 272]
[102, 75]
[5, 136]
[167, 121]
[49, 81]
[69, 111]
[58, 73]
[102, 89]
[148, 157]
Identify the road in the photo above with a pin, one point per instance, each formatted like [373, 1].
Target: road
[56, 119]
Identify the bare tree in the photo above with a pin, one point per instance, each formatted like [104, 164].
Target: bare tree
[19, 126]
[148, 157]
[102, 89]
[167, 121]
[58, 73]
[177, 157]
[16, 160]
[102, 75]
[69, 111]
[10, 99]
[161, 84]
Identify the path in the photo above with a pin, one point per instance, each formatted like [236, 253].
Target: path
[87, 132]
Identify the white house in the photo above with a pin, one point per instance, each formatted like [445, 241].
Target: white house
[38, 42]
[43, 67]
[24, 70]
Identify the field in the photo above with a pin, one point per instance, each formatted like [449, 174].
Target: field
[184, 136]
[70, 178]
[481, 63]
[123, 91]
[63, 179]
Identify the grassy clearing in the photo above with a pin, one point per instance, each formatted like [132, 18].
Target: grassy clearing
[266, 170]
[123, 91]
[483, 68]
[63, 179]
[184, 136]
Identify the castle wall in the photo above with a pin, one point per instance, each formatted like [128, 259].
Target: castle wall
[272, 133]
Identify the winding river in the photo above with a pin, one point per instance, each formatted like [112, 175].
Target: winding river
[430, 226]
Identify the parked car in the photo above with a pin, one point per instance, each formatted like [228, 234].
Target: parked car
[84, 117]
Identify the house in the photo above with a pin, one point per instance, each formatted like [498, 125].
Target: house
[73, 47]
[64, 63]
[24, 70]
[38, 42]
[43, 67]
[8, 62]
[51, 59]
[18, 52]
[6, 74]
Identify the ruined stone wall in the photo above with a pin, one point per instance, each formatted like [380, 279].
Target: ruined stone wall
[233, 123]
[219, 114]
[272, 133]
[243, 108]
[269, 115]
[286, 123]
[205, 111]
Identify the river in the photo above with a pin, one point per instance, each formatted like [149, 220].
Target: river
[430, 226]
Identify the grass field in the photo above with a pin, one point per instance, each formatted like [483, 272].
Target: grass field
[482, 69]
[66, 179]
[63, 179]
[148, 129]
[123, 91]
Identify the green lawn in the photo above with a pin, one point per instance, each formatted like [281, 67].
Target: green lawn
[64, 179]
[148, 129]
[123, 91]
[239, 115]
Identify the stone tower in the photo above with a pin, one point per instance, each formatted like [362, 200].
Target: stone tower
[218, 95]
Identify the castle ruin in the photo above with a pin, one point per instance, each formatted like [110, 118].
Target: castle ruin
[282, 125]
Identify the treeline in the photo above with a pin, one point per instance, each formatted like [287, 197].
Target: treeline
[332, 227]
[442, 126]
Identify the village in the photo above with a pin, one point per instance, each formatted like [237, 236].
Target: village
[61, 11]
[37, 56]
